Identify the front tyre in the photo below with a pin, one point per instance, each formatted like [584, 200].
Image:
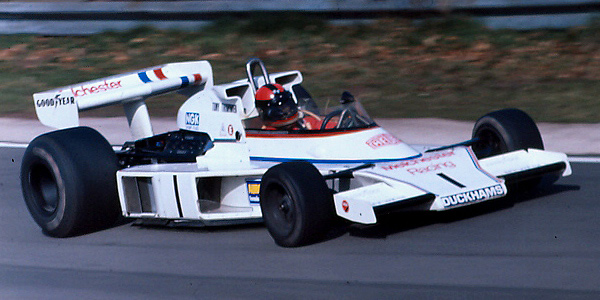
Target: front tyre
[504, 131]
[296, 204]
[69, 183]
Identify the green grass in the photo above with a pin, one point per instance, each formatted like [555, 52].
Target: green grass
[450, 68]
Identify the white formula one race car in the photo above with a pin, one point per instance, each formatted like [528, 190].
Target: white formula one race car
[232, 162]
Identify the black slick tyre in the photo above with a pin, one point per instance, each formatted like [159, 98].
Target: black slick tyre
[504, 131]
[68, 179]
[296, 204]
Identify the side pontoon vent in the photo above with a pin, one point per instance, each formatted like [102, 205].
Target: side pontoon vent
[209, 193]
[139, 195]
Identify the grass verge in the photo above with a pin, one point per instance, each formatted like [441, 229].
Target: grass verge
[449, 68]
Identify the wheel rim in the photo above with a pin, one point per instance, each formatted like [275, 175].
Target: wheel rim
[281, 211]
[45, 189]
[490, 143]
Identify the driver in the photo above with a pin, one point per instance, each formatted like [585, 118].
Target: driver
[277, 108]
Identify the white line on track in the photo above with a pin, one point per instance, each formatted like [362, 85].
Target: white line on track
[12, 145]
[584, 159]
[575, 159]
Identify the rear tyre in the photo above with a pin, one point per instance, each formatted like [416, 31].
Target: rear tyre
[68, 179]
[504, 131]
[296, 204]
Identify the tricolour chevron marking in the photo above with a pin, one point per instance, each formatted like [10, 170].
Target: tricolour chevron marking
[143, 77]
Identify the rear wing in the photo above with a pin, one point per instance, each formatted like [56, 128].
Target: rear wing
[59, 108]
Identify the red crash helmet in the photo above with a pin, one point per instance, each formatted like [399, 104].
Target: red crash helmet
[275, 105]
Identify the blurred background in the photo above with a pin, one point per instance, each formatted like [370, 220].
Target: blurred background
[455, 59]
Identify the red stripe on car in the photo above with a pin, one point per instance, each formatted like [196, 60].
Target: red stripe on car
[159, 73]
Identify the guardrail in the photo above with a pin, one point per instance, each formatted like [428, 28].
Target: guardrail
[72, 18]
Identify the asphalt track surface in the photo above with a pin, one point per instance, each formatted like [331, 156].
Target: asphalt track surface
[543, 245]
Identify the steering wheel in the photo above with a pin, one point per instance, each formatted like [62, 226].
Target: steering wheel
[349, 118]
[329, 116]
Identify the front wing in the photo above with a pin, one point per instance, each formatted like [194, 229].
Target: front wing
[441, 181]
